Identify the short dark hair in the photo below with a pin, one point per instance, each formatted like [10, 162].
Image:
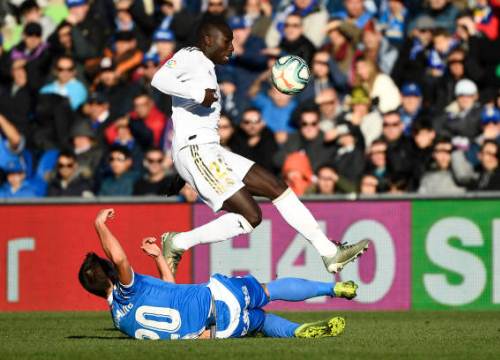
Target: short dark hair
[492, 142]
[64, 57]
[96, 273]
[154, 148]
[67, 153]
[211, 24]
[121, 149]
[441, 32]
[252, 109]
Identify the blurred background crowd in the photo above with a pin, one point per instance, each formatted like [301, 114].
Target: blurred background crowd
[403, 96]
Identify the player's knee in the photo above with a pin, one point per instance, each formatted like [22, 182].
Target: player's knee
[255, 217]
[278, 187]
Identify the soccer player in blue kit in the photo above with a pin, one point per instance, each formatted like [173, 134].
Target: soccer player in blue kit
[144, 307]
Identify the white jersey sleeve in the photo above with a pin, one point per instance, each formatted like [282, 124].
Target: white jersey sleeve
[176, 77]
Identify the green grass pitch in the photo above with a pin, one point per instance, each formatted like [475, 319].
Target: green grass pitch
[393, 335]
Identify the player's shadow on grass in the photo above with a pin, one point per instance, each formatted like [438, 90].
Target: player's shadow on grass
[80, 337]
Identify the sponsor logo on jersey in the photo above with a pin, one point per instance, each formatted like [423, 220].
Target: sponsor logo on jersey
[171, 63]
[122, 311]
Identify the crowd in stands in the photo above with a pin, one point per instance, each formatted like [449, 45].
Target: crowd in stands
[403, 96]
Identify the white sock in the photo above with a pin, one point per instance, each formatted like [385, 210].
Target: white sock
[223, 228]
[300, 218]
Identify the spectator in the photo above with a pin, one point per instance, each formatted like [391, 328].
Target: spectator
[411, 105]
[321, 78]
[487, 176]
[294, 42]
[35, 52]
[12, 147]
[230, 102]
[17, 100]
[423, 136]
[355, 13]
[87, 151]
[276, 107]
[380, 86]
[443, 43]
[341, 44]
[348, 159]
[309, 139]
[122, 178]
[66, 84]
[97, 110]
[297, 172]
[17, 185]
[376, 164]
[329, 108]
[412, 60]
[118, 91]
[144, 76]
[254, 140]
[248, 60]
[485, 18]
[133, 19]
[30, 11]
[314, 18]
[89, 30]
[442, 12]
[490, 130]
[146, 111]
[53, 120]
[462, 117]
[67, 180]
[258, 14]
[156, 181]
[132, 134]
[226, 130]
[399, 149]
[328, 182]
[378, 49]
[369, 185]
[163, 45]
[392, 20]
[440, 178]
[361, 115]
[460, 65]
[124, 54]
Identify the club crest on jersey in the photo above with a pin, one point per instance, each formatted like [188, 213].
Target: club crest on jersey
[171, 63]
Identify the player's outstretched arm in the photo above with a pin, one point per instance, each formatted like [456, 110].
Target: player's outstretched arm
[149, 247]
[112, 247]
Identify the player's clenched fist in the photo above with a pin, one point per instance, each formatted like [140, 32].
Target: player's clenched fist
[210, 97]
[149, 247]
[104, 215]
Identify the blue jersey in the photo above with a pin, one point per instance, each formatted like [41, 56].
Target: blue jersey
[150, 308]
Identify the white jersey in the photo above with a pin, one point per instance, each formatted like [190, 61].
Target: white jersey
[185, 77]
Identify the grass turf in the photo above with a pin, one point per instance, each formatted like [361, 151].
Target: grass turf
[409, 335]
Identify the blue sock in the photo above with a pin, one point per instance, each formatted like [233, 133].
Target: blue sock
[278, 327]
[294, 289]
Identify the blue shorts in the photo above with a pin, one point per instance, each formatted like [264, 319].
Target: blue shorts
[238, 302]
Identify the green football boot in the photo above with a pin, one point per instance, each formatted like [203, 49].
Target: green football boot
[345, 254]
[345, 289]
[171, 253]
[320, 329]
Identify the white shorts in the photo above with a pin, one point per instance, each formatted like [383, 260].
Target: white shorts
[215, 173]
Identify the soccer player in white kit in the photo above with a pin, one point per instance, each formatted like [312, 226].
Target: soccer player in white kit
[225, 180]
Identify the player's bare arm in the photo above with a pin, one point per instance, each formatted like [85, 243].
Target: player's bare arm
[112, 247]
[150, 247]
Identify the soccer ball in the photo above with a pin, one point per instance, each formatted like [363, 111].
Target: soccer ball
[290, 74]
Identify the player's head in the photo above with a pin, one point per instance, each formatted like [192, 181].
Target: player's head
[97, 275]
[215, 39]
